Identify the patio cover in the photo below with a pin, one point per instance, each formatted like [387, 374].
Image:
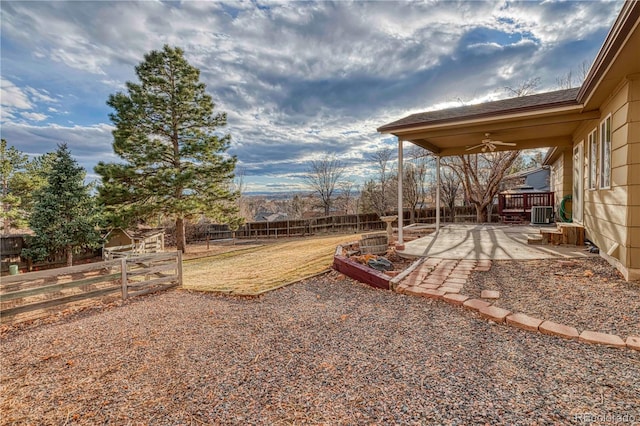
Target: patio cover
[537, 121]
[545, 120]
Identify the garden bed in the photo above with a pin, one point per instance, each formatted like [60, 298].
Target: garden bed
[349, 261]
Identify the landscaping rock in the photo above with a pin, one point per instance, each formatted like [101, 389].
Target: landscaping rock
[323, 351]
[604, 301]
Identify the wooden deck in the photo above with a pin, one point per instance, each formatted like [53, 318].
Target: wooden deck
[516, 207]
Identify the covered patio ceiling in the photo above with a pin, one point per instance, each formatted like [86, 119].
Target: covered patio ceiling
[537, 121]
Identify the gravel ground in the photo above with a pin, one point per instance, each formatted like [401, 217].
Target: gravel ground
[327, 350]
[588, 294]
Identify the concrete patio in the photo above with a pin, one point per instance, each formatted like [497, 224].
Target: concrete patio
[486, 241]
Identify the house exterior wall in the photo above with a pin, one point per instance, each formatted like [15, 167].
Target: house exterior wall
[561, 181]
[632, 152]
[612, 215]
[539, 180]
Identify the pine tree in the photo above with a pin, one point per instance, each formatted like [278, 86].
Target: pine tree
[173, 157]
[12, 162]
[20, 180]
[64, 216]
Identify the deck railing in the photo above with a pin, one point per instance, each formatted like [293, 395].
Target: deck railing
[520, 204]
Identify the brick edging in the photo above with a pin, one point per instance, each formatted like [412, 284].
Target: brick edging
[514, 319]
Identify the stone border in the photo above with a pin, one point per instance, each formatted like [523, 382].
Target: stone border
[444, 279]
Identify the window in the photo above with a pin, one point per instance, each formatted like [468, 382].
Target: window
[605, 153]
[593, 159]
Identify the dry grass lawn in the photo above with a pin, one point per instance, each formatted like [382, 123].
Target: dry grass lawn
[254, 270]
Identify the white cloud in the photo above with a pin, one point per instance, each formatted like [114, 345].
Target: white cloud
[41, 95]
[296, 78]
[88, 144]
[12, 96]
[34, 116]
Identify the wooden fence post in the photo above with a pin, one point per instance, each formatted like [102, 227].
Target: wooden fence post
[179, 268]
[123, 277]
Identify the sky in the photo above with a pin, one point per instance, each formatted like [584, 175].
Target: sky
[298, 80]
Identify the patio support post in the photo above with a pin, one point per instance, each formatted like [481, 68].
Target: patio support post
[437, 193]
[400, 207]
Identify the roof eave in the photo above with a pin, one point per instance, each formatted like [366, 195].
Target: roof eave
[549, 109]
[626, 20]
[390, 128]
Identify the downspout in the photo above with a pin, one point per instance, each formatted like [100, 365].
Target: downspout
[400, 243]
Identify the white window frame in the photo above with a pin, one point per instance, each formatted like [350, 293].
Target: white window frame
[605, 153]
[577, 202]
[593, 159]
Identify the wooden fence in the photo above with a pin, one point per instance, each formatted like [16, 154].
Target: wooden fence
[334, 224]
[299, 227]
[43, 291]
[11, 245]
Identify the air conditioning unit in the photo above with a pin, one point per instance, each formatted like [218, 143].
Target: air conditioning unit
[541, 215]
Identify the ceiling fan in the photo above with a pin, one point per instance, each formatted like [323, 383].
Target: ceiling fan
[490, 144]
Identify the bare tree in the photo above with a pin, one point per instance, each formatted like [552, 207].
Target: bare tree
[449, 190]
[583, 70]
[382, 158]
[369, 198]
[411, 189]
[295, 207]
[239, 186]
[571, 79]
[323, 177]
[524, 88]
[414, 186]
[481, 175]
[565, 81]
[346, 198]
